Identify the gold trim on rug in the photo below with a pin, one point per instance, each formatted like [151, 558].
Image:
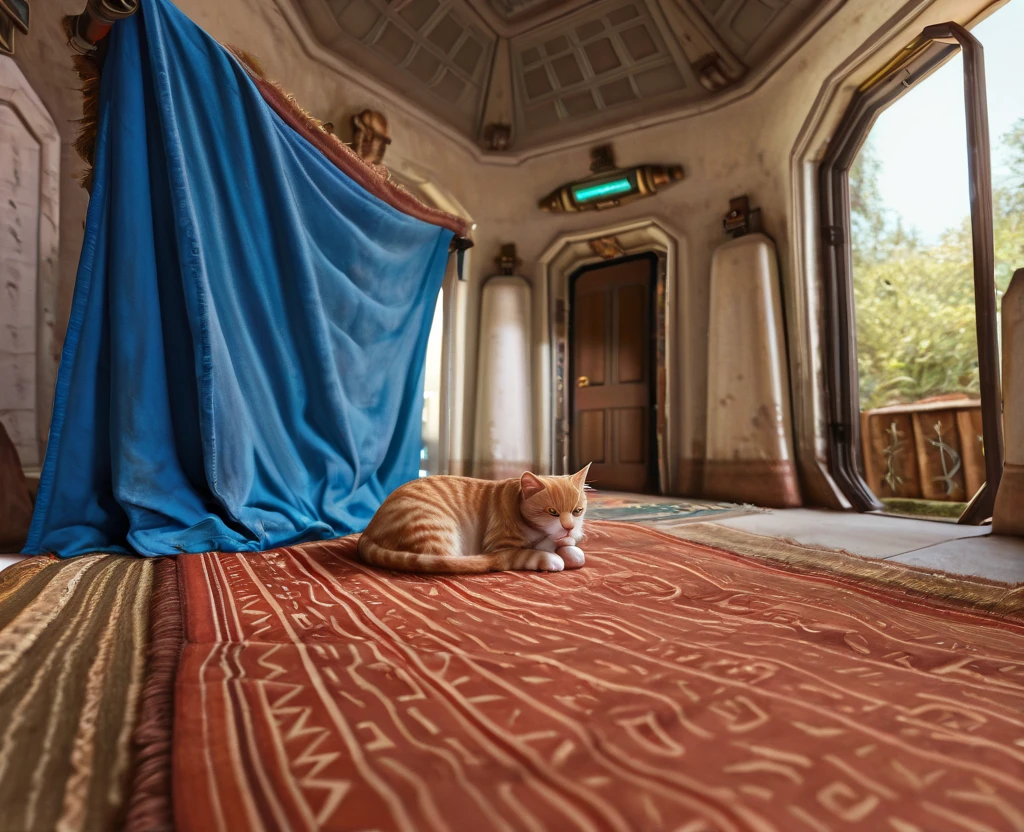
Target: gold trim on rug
[979, 593]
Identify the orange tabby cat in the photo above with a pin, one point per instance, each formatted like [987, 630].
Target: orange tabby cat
[458, 524]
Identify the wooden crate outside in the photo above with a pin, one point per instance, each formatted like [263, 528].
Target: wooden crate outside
[929, 450]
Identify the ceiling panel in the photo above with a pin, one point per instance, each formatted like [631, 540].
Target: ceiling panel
[581, 67]
[437, 50]
[519, 10]
[753, 28]
[574, 64]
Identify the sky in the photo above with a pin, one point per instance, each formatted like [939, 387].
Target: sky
[921, 139]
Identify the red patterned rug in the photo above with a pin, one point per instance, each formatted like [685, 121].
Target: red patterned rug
[665, 686]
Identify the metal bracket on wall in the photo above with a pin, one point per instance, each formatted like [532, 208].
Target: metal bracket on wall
[87, 29]
[14, 15]
[506, 261]
[741, 219]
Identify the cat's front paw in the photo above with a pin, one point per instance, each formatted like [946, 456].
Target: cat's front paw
[572, 556]
[543, 562]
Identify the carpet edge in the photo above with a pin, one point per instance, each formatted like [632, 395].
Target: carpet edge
[149, 804]
[980, 594]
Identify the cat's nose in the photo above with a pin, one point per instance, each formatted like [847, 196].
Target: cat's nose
[567, 524]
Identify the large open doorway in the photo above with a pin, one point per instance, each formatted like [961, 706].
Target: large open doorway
[611, 373]
[920, 207]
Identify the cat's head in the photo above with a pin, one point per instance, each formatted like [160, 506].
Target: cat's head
[555, 504]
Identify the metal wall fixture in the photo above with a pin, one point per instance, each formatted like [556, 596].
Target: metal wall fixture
[507, 261]
[371, 136]
[93, 25]
[497, 137]
[607, 248]
[609, 186]
[14, 16]
[741, 219]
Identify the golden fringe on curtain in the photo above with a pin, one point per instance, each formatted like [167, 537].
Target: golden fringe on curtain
[255, 67]
[375, 178]
[87, 67]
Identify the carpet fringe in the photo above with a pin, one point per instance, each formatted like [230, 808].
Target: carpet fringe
[150, 806]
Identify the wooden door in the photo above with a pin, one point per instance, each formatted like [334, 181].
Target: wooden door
[611, 375]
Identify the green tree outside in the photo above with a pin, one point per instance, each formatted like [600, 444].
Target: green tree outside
[915, 319]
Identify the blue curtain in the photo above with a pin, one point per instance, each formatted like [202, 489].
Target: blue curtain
[243, 367]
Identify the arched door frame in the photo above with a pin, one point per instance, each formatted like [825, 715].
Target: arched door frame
[935, 45]
[567, 254]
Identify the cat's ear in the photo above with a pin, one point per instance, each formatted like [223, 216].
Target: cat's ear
[530, 484]
[579, 479]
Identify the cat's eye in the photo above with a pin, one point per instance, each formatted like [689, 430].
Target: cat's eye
[577, 511]
[553, 511]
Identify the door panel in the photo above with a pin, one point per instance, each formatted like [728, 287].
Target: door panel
[631, 434]
[591, 435]
[633, 337]
[612, 387]
[590, 359]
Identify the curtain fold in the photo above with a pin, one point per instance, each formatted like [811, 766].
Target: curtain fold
[243, 365]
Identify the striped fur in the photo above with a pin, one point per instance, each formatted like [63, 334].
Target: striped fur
[462, 525]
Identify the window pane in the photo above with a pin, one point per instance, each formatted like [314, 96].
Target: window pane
[913, 265]
[913, 280]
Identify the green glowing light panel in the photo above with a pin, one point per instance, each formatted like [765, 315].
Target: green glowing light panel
[609, 186]
[592, 192]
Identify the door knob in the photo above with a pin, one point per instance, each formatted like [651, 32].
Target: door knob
[583, 381]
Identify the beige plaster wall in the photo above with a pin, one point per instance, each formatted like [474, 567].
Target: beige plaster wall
[746, 147]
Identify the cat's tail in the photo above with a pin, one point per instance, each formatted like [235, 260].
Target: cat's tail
[500, 561]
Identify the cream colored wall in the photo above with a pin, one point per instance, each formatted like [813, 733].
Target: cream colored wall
[745, 147]
[748, 148]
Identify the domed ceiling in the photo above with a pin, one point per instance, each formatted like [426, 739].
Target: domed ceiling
[518, 74]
